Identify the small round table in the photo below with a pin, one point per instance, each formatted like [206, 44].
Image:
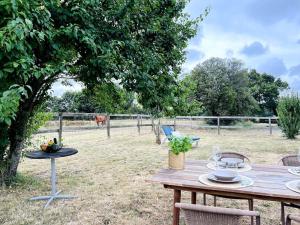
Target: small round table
[64, 152]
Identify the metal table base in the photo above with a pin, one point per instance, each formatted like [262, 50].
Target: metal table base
[54, 193]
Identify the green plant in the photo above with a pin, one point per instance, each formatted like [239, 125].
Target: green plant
[180, 144]
[289, 115]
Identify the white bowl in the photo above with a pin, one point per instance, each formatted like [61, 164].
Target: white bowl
[225, 174]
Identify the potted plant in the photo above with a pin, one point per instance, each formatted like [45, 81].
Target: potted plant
[178, 147]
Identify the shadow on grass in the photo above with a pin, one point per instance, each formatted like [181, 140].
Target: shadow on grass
[25, 181]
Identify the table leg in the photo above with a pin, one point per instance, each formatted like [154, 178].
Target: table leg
[251, 208]
[176, 211]
[53, 177]
[54, 193]
[193, 197]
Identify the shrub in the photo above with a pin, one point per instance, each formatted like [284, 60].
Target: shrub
[39, 119]
[180, 144]
[289, 115]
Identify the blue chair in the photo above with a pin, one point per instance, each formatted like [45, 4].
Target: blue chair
[168, 131]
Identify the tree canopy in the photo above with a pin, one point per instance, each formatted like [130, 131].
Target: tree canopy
[138, 43]
[222, 87]
[266, 90]
[185, 102]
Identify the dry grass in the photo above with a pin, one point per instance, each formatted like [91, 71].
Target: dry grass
[108, 176]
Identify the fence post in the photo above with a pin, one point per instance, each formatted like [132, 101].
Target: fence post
[138, 124]
[270, 125]
[191, 121]
[152, 123]
[158, 141]
[219, 126]
[60, 117]
[175, 123]
[108, 125]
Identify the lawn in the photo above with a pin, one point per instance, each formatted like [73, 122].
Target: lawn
[108, 176]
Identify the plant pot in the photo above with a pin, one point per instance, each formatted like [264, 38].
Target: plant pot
[176, 161]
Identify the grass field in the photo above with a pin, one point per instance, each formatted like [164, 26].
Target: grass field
[108, 176]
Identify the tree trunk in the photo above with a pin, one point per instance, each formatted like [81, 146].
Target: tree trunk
[16, 134]
[158, 140]
[17, 131]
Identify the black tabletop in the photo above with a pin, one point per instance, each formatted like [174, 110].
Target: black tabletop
[44, 155]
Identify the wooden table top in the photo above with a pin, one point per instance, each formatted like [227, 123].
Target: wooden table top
[269, 182]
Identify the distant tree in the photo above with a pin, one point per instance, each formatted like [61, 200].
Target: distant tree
[83, 103]
[222, 87]
[266, 89]
[109, 98]
[69, 101]
[185, 102]
[103, 98]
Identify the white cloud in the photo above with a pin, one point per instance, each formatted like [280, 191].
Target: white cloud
[232, 25]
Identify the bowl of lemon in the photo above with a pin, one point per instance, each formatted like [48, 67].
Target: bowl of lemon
[51, 146]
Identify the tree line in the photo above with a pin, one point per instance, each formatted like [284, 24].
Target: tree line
[215, 87]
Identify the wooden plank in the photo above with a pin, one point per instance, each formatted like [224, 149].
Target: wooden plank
[218, 121]
[47, 131]
[270, 125]
[139, 124]
[60, 129]
[259, 183]
[226, 117]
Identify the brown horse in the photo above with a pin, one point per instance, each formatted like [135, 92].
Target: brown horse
[100, 119]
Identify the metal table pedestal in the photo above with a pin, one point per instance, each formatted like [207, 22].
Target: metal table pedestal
[54, 193]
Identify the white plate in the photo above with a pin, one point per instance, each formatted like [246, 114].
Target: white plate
[294, 170]
[234, 180]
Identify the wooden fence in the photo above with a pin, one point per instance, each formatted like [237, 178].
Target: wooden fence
[148, 121]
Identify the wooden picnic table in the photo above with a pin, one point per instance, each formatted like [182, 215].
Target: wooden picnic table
[269, 184]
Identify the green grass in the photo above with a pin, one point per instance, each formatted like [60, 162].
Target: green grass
[108, 176]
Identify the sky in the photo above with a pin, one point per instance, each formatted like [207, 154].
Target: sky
[264, 34]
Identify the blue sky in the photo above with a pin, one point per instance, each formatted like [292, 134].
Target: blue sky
[264, 34]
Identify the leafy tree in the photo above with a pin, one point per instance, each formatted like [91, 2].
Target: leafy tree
[185, 102]
[138, 43]
[68, 102]
[39, 119]
[289, 115]
[222, 87]
[110, 98]
[266, 89]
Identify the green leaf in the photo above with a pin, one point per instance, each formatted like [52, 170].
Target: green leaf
[15, 65]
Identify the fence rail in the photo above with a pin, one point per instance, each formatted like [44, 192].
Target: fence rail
[142, 120]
